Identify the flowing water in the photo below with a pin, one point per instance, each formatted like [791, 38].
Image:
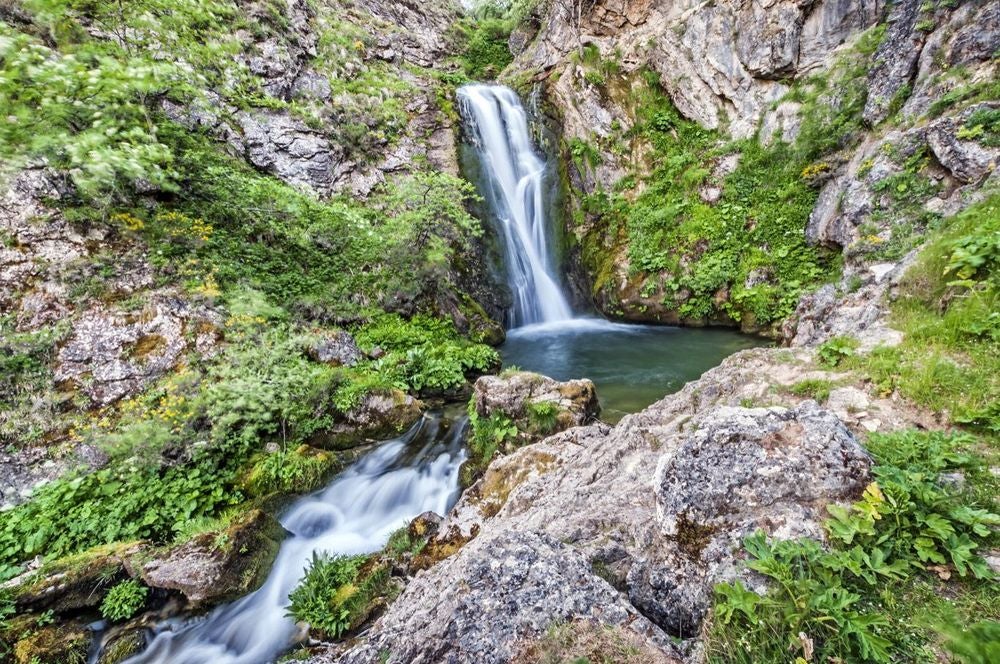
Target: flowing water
[418, 472]
[513, 185]
[632, 365]
[399, 480]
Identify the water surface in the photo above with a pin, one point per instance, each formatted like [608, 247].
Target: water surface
[632, 365]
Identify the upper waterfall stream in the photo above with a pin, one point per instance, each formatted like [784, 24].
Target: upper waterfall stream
[514, 187]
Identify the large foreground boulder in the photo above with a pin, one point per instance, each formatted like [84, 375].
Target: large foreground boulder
[630, 526]
[500, 594]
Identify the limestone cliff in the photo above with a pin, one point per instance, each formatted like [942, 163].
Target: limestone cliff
[651, 182]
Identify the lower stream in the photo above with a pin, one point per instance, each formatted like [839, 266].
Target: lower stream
[356, 513]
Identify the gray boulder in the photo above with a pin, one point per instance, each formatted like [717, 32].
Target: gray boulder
[217, 566]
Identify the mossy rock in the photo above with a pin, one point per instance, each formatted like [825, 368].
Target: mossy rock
[126, 643]
[75, 582]
[221, 565]
[54, 644]
[379, 416]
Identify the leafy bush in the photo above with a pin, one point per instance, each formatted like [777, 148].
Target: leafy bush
[836, 350]
[124, 600]
[826, 602]
[337, 593]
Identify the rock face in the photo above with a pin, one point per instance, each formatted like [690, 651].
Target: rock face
[337, 349]
[114, 353]
[538, 405]
[216, 567]
[512, 588]
[860, 199]
[669, 494]
[380, 415]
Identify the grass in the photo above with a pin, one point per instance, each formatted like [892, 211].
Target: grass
[949, 360]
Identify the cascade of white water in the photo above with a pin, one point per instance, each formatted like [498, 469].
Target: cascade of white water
[513, 178]
[354, 514]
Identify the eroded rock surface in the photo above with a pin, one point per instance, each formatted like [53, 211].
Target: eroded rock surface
[669, 492]
[218, 566]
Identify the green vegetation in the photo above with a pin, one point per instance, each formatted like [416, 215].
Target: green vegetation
[483, 36]
[338, 593]
[487, 435]
[264, 388]
[281, 266]
[852, 601]
[124, 600]
[300, 470]
[813, 388]
[949, 360]
[745, 256]
[835, 351]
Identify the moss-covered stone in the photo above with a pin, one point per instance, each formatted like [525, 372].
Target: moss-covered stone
[53, 644]
[75, 582]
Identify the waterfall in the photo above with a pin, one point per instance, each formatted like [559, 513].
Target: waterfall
[355, 514]
[514, 187]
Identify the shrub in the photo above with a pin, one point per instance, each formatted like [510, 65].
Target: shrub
[826, 602]
[337, 593]
[124, 600]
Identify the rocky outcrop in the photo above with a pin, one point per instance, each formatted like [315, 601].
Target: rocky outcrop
[720, 61]
[217, 566]
[529, 580]
[112, 353]
[885, 180]
[380, 415]
[669, 494]
[895, 61]
[740, 470]
[337, 349]
[536, 404]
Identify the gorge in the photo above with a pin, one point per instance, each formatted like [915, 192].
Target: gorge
[516, 331]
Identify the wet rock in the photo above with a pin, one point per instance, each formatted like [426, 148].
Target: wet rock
[76, 582]
[513, 588]
[218, 566]
[379, 416]
[337, 349]
[125, 643]
[537, 404]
